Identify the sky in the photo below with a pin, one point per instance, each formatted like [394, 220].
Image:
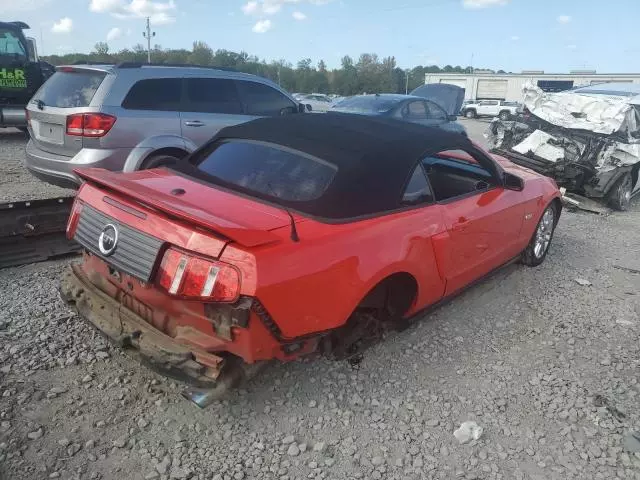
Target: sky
[513, 35]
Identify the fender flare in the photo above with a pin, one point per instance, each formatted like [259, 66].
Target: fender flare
[152, 144]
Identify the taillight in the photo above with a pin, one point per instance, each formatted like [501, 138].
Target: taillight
[198, 278]
[89, 124]
[74, 218]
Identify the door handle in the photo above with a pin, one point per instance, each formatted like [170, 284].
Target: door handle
[194, 123]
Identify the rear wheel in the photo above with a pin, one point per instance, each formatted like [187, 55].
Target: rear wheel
[619, 197]
[470, 113]
[536, 251]
[160, 160]
[504, 115]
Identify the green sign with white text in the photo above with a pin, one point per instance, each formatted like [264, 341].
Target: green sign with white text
[12, 78]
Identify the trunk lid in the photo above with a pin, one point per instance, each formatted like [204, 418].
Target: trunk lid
[69, 91]
[449, 97]
[236, 218]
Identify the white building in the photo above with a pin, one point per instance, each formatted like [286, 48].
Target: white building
[508, 86]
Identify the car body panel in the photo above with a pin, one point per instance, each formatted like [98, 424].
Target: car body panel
[294, 290]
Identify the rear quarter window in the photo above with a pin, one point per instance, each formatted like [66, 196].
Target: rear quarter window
[261, 99]
[162, 94]
[268, 170]
[70, 89]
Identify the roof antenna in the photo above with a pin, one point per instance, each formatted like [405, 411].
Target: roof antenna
[294, 230]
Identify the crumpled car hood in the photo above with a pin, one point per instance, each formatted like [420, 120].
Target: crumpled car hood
[596, 113]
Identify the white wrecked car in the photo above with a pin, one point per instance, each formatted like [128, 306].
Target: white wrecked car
[587, 139]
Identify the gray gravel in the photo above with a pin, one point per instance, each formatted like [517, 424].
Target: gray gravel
[16, 183]
[547, 367]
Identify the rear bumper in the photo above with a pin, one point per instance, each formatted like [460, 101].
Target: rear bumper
[127, 329]
[58, 169]
[13, 116]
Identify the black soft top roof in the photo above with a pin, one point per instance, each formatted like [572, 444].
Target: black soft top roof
[374, 156]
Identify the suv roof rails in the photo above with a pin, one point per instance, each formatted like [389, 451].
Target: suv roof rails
[182, 65]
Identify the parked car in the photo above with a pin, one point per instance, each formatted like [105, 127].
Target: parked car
[587, 139]
[318, 101]
[269, 242]
[131, 116]
[490, 108]
[403, 107]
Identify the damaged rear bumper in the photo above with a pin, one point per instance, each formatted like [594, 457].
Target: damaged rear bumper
[160, 351]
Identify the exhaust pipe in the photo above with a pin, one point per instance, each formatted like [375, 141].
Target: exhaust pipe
[233, 375]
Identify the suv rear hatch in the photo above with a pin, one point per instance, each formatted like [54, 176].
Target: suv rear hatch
[66, 95]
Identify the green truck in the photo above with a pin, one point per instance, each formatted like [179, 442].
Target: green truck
[21, 73]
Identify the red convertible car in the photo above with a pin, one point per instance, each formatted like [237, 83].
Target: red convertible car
[292, 235]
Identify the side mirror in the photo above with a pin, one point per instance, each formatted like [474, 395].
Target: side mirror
[288, 111]
[452, 118]
[301, 108]
[513, 182]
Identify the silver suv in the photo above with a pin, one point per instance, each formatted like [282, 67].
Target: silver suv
[131, 116]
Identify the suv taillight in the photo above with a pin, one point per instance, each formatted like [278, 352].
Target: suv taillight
[197, 278]
[89, 124]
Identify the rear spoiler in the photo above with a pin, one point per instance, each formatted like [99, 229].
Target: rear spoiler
[245, 236]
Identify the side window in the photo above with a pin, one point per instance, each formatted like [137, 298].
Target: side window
[417, 190]
[455, 173]
[155, 94]
[435, 112]
[261, 99]
[416, 111]
[212, 95]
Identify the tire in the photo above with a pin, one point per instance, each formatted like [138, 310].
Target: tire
[504, 115]
[619, 197]
[538, 247]
[154, 161]
[470, 113]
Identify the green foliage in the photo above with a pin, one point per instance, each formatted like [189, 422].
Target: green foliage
[369, 74]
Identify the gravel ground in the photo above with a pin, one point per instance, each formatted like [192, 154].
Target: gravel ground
[546, 365]
[16, 183]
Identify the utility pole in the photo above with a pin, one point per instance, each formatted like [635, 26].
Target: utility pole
[148, 34]
[406, 85]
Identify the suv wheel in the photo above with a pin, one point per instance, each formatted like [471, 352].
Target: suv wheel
[161, 160]
[619, 197]
[504, 115]
[470, 113]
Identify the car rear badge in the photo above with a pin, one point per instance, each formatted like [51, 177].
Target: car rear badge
[108, 240]
[528, 216]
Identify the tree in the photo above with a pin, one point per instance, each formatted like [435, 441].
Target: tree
[101, 48]
[369, 74]
[202, 54]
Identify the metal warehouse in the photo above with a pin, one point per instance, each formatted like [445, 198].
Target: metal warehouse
[508, 86]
